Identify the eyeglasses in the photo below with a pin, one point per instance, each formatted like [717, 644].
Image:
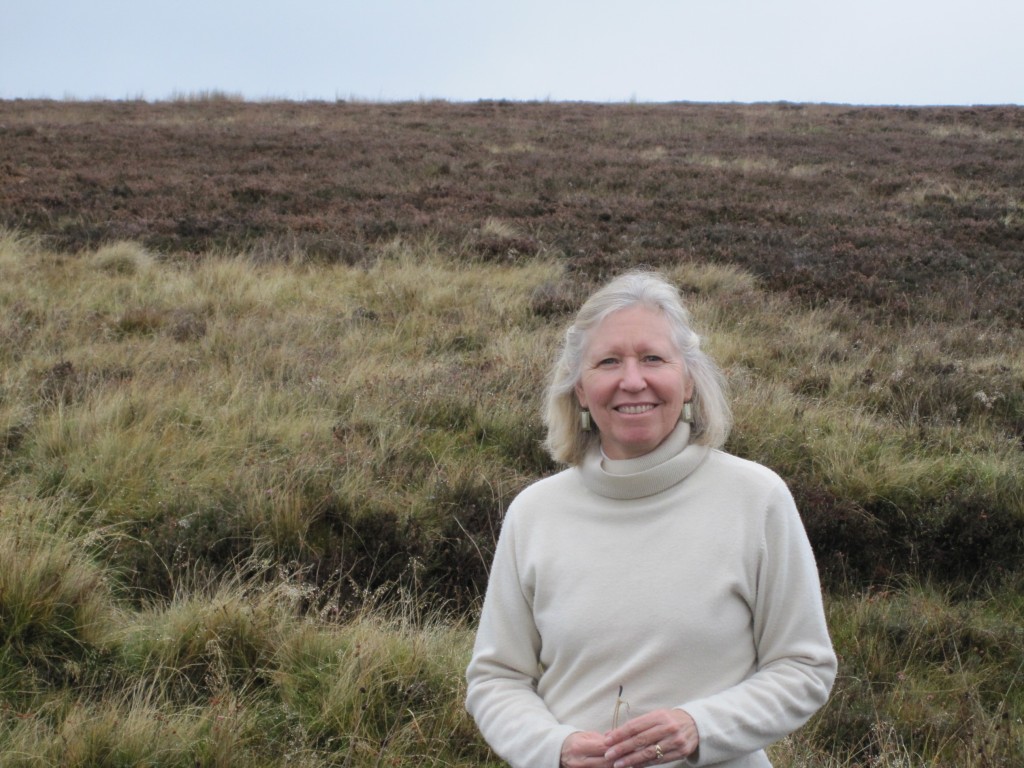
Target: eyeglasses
[619, 704]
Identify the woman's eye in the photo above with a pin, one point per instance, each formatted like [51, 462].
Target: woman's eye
[607, 361]
[653, 359]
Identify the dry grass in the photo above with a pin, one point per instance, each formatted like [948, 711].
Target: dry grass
[266, 390]
[243, 502]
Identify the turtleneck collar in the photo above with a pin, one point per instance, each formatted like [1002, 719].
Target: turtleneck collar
[645, 475]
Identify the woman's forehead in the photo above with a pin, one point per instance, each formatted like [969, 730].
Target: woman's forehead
[637, 326]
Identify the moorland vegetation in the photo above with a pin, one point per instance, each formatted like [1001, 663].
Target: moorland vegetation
[272, 372]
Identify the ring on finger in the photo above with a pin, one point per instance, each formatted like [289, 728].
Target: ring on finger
[658, 754]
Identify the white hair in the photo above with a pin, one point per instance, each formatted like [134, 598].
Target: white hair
[566, 441]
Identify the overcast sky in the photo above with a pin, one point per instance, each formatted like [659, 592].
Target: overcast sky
[915, 52]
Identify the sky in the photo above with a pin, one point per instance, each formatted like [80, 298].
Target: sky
[888, 52]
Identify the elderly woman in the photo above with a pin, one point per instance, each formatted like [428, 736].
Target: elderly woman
[656, 603]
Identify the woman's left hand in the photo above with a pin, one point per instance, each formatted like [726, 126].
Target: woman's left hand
[658, 737]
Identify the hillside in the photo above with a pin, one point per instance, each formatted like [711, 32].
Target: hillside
[272, 373]
[885, 207]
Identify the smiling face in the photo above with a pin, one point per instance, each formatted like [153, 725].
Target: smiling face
[634, 381]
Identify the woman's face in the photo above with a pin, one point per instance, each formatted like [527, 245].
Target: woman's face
[634, 381]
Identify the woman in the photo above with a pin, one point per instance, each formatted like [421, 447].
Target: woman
[656, 603]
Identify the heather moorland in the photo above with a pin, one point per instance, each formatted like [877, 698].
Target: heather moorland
[271, 372]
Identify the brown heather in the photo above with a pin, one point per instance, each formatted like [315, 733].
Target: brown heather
[272, 372]
[910, 212]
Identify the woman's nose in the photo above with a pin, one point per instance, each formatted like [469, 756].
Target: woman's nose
[632, 377]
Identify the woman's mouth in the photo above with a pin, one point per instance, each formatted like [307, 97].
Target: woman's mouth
[633, 410]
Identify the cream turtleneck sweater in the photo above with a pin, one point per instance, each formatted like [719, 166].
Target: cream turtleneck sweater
[684, 576]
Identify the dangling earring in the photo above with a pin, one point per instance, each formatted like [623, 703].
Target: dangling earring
[688, 412]
[585, 421]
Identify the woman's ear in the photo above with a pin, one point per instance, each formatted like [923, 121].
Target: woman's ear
[687, 387]
[581, 398]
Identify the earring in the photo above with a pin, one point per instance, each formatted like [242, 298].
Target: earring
[688, 412]
[585, 421]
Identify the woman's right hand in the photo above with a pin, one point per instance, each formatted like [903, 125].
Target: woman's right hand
[584, 750]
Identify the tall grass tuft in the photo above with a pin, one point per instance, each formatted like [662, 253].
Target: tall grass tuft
[384, 690]
[56, 605]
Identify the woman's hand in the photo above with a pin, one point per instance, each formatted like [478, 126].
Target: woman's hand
[657, 737]
[584, 750]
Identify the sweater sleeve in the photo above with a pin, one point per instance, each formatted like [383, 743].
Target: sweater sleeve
[503, 671]
[796, 664]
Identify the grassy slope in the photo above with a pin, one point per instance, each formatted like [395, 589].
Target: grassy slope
[216, 472]
[246, 450]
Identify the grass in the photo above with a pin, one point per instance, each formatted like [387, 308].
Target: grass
[248, 506]
[263, 404]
